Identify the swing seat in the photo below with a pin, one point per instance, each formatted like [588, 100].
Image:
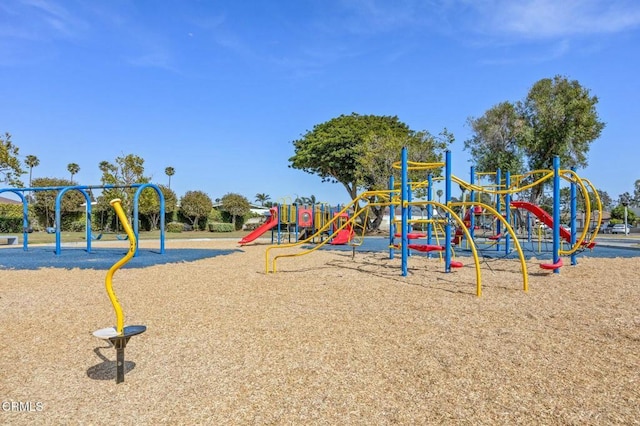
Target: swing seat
[412, 235]
[425, 247]
[552, 266]
[96, 237]
[122, 237]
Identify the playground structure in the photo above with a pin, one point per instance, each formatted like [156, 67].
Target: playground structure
[438, 232]
[293, 222]
[83, 189]
[505, 190]
[119, 335]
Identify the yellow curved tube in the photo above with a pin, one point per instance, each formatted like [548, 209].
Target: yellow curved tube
[467, 234]
[270, 264]
[509, 229]
[587, 202]
[117, 206]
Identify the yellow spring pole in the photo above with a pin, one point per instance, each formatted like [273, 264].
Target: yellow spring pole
[117, 206]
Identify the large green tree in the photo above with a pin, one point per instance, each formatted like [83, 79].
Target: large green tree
[561, 119]
[332, 149]
[31, 161]
[236, 205]
[262, 198]
[45, 201]
[169, 171]
[126, 170]
[358, 151]
[494, 143]
[195, 205]
[635, 200]
[558, 117]
[617, 213]
[10, 167]
[150, 204]
[605, 199]
[73, 169]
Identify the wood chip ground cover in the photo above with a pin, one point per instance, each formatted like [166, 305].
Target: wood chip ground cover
[326, 340]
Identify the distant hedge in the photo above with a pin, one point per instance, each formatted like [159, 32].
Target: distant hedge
[10, 224]
[221, 227]
[10, 217]
[175, 227]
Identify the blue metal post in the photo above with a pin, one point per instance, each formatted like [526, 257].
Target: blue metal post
[556, 212]
[404, 205]
[409, 212]
[472, 196]
[25, 214]
[447, 197]
[59, 218]
[25, 222]
[498, 222]
[507, 209]
[136, 203]
[429, 209]
[574, 213]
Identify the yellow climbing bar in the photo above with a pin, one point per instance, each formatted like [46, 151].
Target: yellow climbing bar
[117, 206]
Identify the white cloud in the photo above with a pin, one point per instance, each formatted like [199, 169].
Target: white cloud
[544, 19]
[546, 53]
[49, 18]
[370, 16]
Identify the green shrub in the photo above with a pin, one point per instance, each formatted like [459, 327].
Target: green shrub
[175, 227]
[11, 210]
[76, 226]
[10, 224]
[214, 216]
[221, 227]
[73, 222]
[252, 226]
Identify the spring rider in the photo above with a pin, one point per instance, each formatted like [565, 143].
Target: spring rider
[119, 335]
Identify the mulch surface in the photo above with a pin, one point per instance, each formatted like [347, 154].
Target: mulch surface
[326, 340]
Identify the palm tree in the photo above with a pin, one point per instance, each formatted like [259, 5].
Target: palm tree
[73, 168]
[169, 171]
[439, 193]
[262, 198]
[31, 161]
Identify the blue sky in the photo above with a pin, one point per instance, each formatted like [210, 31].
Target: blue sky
[219, 89]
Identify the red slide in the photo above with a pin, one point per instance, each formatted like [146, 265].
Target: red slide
[459, 234]
[543, 216]
[343, 237]
[272, 222]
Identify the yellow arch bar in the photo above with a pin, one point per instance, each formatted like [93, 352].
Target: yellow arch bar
[467, 234]
[359, 211]
[587, 203]
[523, 263]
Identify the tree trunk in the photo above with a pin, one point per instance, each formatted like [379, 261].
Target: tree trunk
[536, 194]
[153, 219]
[378, 212]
